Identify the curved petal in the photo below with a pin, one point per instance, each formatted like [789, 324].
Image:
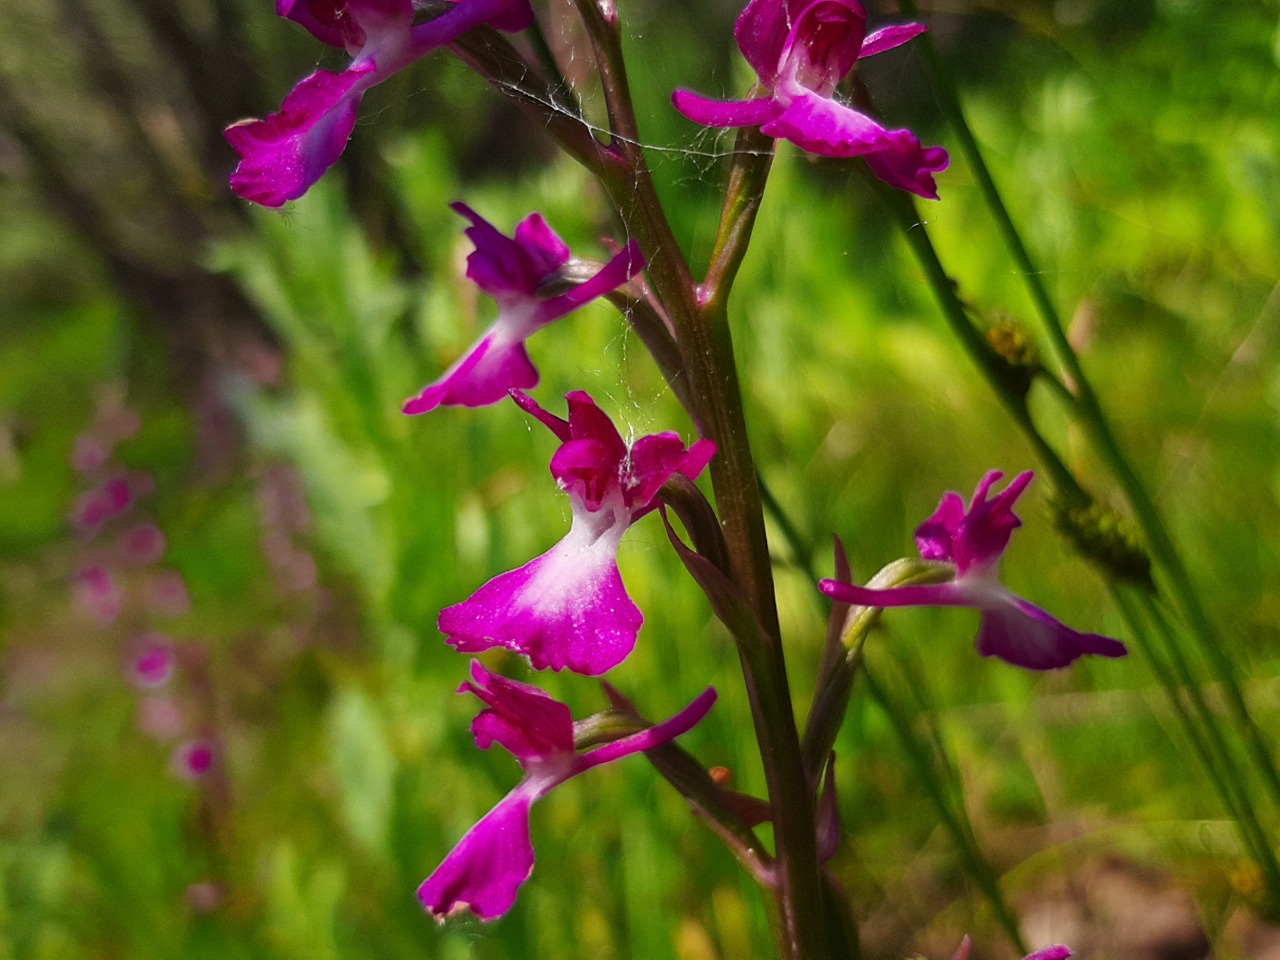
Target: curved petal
[283, 155]
[823, 44]
[886, 38]
[499, 265]
[513, 15]
[483, 376]
[904, 163]
[761, 31]
[542, 247]
[1022, 634]
[566, 608]
[655, 736]
[938, 595]
[525, 720]
[725, 113]
[935, 538]
[484, 872]
[349, 24]
[621, 267]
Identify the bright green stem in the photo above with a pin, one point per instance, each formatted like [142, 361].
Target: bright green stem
[1088, 410]
[702, 330]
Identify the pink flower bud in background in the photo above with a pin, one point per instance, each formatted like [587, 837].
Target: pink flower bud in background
[204, 897]
[152, 662]
[142, 545]
[97, 592]
[193, 759]
[160, 717]
[167, 594]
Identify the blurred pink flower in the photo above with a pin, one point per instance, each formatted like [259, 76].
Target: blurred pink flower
[97, 592]
[152, 662]
[167, 594]
[160, 717]
[142, 544]
[193, 759]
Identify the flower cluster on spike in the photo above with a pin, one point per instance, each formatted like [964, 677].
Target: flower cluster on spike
[484, 871]
[973, 539]
[513, 270]
[801, 50]
[568, 607]
[283, 155]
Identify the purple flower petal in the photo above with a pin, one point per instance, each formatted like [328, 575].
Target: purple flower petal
[193, 760]
[886, 38]
[483, 376]
[283, 155]
[654, 736]
[822, 126]
[525, 720]
[97, 592]
[483, 873]
[1022, 634]
[512, 269]
[974, 537]
[904, 163]
[725, 113]
[142, 544]
[347, 24]
[566, 608]
[823, 44]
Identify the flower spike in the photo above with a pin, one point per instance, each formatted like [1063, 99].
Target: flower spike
[568, 607]
[513, 270]
[485, 870]
[973, 539]
[801, 50]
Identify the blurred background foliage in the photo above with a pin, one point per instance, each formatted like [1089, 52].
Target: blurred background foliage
[267, 354]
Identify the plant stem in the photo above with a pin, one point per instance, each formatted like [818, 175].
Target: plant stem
[702, 330]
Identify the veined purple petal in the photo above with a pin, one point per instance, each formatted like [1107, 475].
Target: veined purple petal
[725, 113]
[822, 126]
[482, 376]
[1020, 633]
[566, 608]
[283, 155]
[823, 44]
[501, 266]
[886, 38]
[761, 31]
[483, 873]
[525, 720]
[654, 736]
[974, 537]
[621, 267]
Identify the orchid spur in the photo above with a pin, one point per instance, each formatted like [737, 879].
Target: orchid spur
[973, 539]
[568, 607]
[485, 870]
[283, 155]
[801, 50]
[513, 270]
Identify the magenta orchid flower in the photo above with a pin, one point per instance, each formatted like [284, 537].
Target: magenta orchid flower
[1057, 951]
[283, 155]
[193, 759]
[485, 870]
[801, 50]
[973, 540]
[512, 270]
[568, 607]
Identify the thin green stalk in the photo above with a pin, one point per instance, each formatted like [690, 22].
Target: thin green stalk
[1089, 411]
[1212, 750]
[1264, 852]
[976, 864]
